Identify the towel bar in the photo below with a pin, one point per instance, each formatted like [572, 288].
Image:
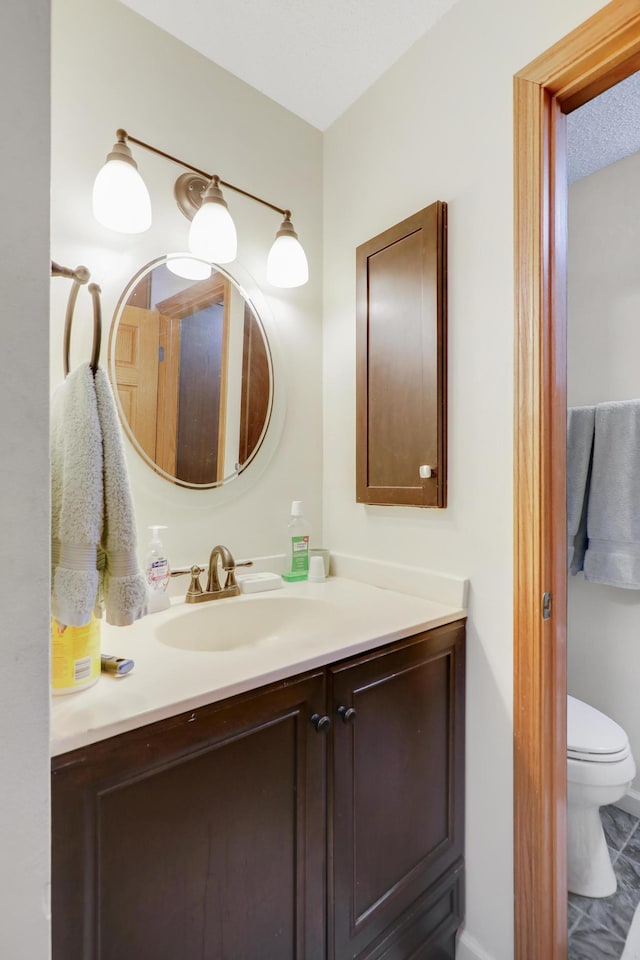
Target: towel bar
[80, 276]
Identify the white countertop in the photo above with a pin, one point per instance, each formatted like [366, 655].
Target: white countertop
[352, 618]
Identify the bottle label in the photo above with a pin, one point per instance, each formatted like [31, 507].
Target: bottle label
[158, 573]
[300, 554]
[75, 655]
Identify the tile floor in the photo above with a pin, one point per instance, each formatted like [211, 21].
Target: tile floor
[598, 928]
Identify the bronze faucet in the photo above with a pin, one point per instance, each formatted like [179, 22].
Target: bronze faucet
[220, 558]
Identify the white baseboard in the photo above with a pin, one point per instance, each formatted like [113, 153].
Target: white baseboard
[468, 948]
[631, 803]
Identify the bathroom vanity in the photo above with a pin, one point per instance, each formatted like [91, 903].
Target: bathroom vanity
[318, 814]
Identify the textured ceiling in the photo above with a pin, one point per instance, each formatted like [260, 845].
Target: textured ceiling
[314, 57]
[605, 129]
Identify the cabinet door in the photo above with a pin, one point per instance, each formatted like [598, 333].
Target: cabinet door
[197, 838]
[401, 363]
[396, 830]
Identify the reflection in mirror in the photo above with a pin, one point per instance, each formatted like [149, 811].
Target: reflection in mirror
[192, 372]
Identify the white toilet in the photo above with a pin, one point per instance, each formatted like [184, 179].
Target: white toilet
[600, 769]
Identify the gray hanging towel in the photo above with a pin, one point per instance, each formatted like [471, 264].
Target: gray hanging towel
[77, 497]
[580, 431]
[613, 517]
[124, 587]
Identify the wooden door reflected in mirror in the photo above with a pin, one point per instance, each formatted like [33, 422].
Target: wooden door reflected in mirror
[192, 372]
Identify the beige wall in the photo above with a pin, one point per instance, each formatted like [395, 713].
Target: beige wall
[112, 68]
[24, 479]
[603, 348]
[438, 126]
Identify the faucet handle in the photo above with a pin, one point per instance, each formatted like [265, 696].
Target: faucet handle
[231, 574]
[195, 587]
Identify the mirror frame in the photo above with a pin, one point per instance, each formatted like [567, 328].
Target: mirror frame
[130, 286]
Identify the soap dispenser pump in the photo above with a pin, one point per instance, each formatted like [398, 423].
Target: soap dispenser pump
[157, 571]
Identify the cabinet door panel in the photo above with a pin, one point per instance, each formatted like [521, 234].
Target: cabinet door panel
[214, 852]
[396, 770]
[401, 362]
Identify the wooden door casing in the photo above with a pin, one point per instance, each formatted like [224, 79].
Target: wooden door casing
[599, 53]
[256, 387]
[168, 392]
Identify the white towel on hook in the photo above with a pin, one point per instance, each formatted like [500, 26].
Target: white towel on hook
[77, 500]
[93, 529]
[124, 588]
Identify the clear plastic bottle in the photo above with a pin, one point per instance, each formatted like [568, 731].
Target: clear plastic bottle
[298, 535]
[158, 572]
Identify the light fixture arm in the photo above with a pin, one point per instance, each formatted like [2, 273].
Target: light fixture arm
[121, 202]
[123, 136]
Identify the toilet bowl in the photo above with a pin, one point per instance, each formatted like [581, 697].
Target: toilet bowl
[600, 769]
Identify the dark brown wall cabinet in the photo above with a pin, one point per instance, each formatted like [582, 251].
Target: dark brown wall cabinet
[401, 363]
[320, 818]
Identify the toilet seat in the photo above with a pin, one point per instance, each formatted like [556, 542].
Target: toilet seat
[592, 737]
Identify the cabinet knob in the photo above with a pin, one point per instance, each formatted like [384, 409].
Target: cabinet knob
[321, 723]
[426, 471]
[348, 714]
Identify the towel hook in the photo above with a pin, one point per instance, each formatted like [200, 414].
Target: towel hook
[80, 276]
[95, 291]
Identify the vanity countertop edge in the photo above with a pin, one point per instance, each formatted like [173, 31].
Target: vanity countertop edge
[167, 681]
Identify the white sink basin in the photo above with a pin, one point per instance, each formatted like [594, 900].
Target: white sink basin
[219, 625]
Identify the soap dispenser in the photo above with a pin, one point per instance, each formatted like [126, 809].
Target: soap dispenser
[157, 571]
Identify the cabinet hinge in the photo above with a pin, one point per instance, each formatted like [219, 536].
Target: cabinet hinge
[546, 606]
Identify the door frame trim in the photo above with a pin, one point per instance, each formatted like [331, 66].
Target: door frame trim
[599, 53]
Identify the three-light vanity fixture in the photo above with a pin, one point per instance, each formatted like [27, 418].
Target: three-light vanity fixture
[121, 202]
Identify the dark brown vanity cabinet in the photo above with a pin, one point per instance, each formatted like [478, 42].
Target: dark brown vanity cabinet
[254, 829]
[202, 836]
[397, 827]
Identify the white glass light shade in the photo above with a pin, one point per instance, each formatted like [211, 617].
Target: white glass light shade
[212, 235]
[121, 200]
[287, 262]
[189, 268]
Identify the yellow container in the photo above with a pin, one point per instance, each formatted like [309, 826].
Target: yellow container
[75, 656]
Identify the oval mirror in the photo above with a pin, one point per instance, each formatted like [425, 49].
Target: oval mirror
[192, 372]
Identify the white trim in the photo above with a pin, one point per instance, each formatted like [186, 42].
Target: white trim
[469, 949]
[631, 803]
